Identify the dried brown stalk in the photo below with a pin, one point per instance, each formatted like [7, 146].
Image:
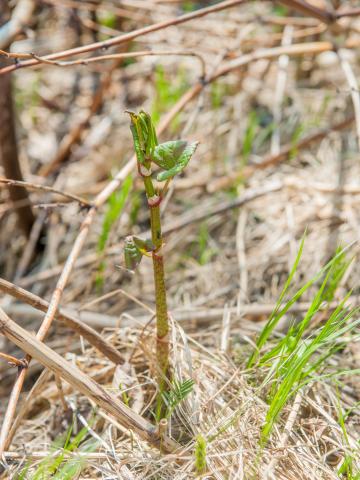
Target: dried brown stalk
[112, 56]
[94, 338]
[325, 16]
[12, 360]
[125, 38]
[348, 13]
[44, 188]
[82, 383]
[310, 10]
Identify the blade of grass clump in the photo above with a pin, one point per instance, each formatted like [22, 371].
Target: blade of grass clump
[293, 369]
[279, 312]
[294, 334]
[74, 466]
[274, 317]
[49, 464]
[49, 467]
[337, 313]
[338, 271]
[332, 375]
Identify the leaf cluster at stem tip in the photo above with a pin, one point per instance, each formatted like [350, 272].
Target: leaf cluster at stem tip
[172, 157]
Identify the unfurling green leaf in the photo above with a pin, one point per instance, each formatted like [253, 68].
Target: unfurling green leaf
[167, 154]
[144, 246]
[132, 254]
[179, 164]
[134, 250]
[144, 135]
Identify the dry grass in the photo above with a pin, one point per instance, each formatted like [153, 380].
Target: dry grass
[225, 407]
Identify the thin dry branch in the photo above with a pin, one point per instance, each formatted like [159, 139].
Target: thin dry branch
[112, 56]
[302, 6]
[82, 383]
[348, 13]
[94, 338]
[44, 188]
[325, 16]
[298, 49]
[125, 38]
[12, 360]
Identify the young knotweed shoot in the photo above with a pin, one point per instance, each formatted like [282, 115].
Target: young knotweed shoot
[172, 157]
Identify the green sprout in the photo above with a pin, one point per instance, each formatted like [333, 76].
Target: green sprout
[171, 157]
[200, 454]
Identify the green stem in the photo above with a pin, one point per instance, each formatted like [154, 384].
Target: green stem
[162, 338]
[162, 320]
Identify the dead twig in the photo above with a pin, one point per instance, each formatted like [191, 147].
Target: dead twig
[125, 38]
[94, 338]
[13, 360]
[113, 56]
[308, 9]
[82, 383]
[44, 188]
